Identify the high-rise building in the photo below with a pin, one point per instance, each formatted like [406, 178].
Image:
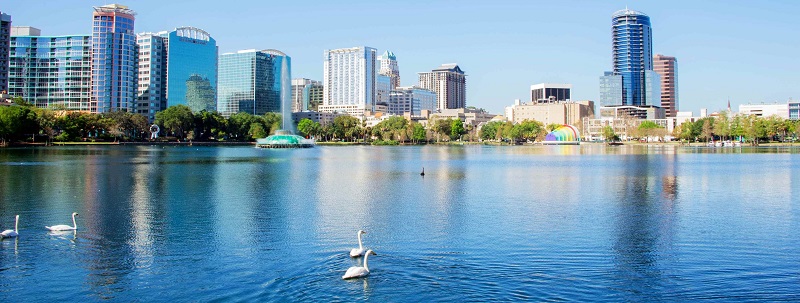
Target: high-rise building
[610, 89]
[667, 69]
[411, 99]
[349, 80]
[251, 81]
[152, 87]
[633, 60]
[389, 68]
[114, 56]
[550, 93]
[5, 41]
[177, 67]
[450, 84]
[51, 70]
[306, 94]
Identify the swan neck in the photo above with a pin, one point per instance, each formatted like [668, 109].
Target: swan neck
[16, 225]
[74, 225]
[365, 261]
[360, 246]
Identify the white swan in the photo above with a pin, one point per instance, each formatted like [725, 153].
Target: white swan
[357, 252]
[11, 233]
[65, 227]
[357, 271]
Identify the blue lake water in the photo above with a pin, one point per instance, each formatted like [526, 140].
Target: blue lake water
[544, 223]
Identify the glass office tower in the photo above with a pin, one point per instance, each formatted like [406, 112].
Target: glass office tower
[251, 81]
[114, 55]
[191, 69]
[632, 56]
[52, 70]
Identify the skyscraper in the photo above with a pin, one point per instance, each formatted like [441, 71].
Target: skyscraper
[51, 70]
[177, 67]
[114, 56]
[449, 83]
[667, 69]
[5, 41]
[251, 81]
[633, 59]
[389, 68]
[411, 99]
[349, 80]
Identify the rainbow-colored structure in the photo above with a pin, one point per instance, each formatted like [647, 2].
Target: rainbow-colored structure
[564, 134]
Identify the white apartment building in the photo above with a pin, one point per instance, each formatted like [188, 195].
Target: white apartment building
[151, 94]
[765, 110]
[349, 80]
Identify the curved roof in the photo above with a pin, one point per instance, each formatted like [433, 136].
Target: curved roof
[627, 12]
[564, 133]
[193, 32]
[274, 52]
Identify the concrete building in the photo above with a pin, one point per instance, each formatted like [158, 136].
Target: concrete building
[636, 112]
[151, 96]
[632, 62]
[765, 110]
[51, 71]
[559, 112]
[349, 80]
[388, 67]
[307, 94]
[25, 31]
[667, 69]
[449, 83]
[550, 93]
[5, 42]
[114, 59]
[470, 116]
[320, 117]
[251, 81]
[411, 99]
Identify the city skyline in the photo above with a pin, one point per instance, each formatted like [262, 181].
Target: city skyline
[737, 47]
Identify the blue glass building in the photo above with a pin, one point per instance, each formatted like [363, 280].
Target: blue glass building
[114, 55]
[52, 70]
[252, 81]
[191, 69]
[633, 61]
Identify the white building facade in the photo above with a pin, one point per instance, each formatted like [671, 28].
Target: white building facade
[389, 67]
[765, 110]
[349, 80]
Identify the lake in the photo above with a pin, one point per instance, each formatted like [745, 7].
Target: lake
[485, 223]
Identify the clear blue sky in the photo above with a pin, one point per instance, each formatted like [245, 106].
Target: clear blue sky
[747, 51]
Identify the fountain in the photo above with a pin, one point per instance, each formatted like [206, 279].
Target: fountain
[285, 137]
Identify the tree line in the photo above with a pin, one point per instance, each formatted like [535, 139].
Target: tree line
[743, 128]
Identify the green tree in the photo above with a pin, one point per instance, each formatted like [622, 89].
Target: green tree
[609, 134]
[346, 128]
[418, 132]
[273, 122]
[530, 130]
[239, 125]
[456, 129]
[308, 127]
[722, 125]
[552, 126]
[176, 119]
[16, 122]
[489, 130]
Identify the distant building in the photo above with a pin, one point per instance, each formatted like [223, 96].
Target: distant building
[5, 41]
[411, 99]
[388, 67]
[794, 110]
[559, 112]
[320, 117]
[469, 116]
[667, 69]
[114, 56]
[51, 70]
[250, 81]
[765, 110]
[449, 83]
[307, 94]
[632, 78]
[151, 96]
[550, 93]
[349, 80]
